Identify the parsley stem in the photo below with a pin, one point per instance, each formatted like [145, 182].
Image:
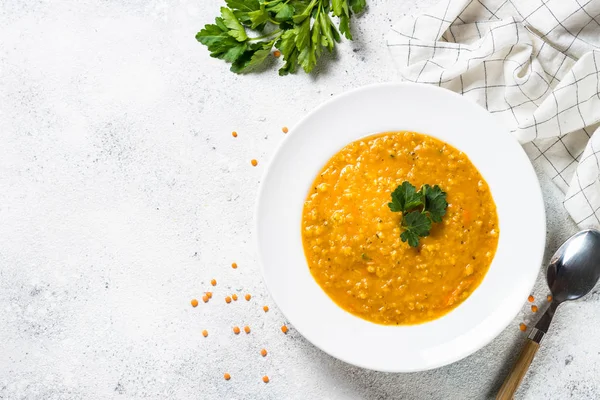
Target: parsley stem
[266, 35]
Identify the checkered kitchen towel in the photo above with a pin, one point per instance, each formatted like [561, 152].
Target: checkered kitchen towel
[533, 64]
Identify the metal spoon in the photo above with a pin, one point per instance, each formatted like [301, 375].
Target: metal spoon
[573, 272]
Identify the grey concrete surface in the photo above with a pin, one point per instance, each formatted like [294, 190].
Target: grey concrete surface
[122, 193]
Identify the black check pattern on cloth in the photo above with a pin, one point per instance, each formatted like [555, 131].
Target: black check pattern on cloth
[534, 64]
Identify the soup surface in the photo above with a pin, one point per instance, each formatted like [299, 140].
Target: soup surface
[352, 239]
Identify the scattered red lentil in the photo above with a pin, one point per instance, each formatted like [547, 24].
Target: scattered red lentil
[234, 265]
[194, 303]
[227, 376]
[277, 53]
[265, 379]
[530, 299]
[522, 327]
[285, 129]
[284, 329]
[534, 308]
[549, 298]
[236, 330]
[205, 298]
[205, 333]
[247, 297]
[213, 282]
[263, 352]
[266, 308]
[209, 294]
[234, 134]
[234, 297]
[254, 163]
[227, 299]
[247, 329]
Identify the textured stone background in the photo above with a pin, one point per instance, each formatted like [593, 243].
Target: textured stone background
[122, 193]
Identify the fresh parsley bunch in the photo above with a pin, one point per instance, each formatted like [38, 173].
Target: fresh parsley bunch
[419, 210]
[300, 29]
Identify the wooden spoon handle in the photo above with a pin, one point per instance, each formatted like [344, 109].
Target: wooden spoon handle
[514, 378]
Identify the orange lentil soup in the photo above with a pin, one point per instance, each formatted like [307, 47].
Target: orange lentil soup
[352, 239]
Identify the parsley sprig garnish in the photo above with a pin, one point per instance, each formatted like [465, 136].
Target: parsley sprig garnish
[420, 209]
[300, 29]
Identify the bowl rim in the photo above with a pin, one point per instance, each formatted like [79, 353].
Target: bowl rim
[484, 339]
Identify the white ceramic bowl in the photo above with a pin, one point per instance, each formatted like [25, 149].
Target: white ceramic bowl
[453, 119]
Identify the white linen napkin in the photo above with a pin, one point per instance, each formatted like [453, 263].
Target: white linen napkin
[533, 64]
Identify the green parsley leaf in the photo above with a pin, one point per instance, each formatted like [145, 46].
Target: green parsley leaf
[303, 35]
[306, 44]
[243, 8]
[315, 40]
[252, 58]
[341, 10]
[304, 11]
[212, 36]
[435, 202]
[221, 24]
[243, 5]
[234, 52]
[405, 197]
[291, 64]
[410, 237]
[336, 5]
[287, 45]
[307, 59]
[335, 34]
[345, 27]
[219, 42]
[357, 5]
[258, 18]
[415, 224]
[330, 34]
[236, 29]
[282, 11]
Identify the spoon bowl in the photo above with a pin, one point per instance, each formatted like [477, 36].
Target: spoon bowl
[574, 269]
